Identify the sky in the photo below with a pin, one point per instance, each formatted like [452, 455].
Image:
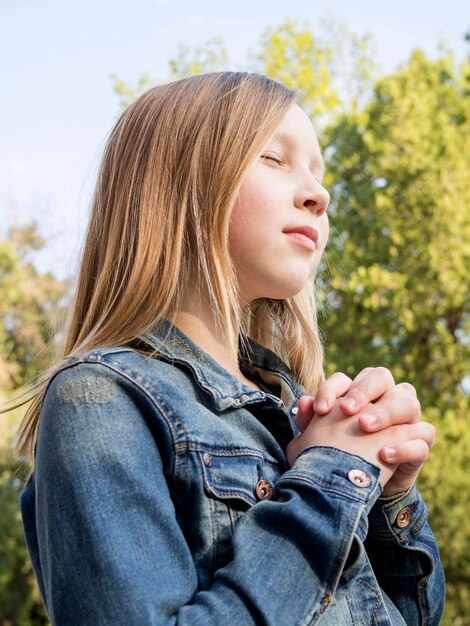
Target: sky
[58, 104]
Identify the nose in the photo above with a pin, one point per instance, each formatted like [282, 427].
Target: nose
[312, 196]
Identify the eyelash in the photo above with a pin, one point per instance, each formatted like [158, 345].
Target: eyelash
[271, 158]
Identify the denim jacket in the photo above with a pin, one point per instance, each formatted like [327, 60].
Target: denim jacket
[161, 494]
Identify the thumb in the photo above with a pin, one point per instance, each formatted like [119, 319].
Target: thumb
[304, 412]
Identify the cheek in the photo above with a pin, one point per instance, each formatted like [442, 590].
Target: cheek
[324, 231]
[251, 218]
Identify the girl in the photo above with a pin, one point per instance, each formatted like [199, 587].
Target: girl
[171, 484]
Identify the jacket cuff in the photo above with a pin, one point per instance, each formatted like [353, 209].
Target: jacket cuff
[398, 518]
[341, 473]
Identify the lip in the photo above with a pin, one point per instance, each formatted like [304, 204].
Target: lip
[305, 235]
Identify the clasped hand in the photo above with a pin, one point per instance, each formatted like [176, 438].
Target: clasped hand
[371, 417]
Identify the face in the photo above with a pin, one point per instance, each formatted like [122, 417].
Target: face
[279, 226]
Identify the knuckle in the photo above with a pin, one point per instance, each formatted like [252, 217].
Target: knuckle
[335, 379]
[415, 406]
[336, 375]
[431, 433]
[407, 389]
[423, 450]
[427, 432]
[365, 371]
[359, 392]
[342, 378]
[385, 373]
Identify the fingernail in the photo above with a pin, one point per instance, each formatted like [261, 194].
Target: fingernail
[369, 419]
[349, 403]
[390, 452]
[321, 405]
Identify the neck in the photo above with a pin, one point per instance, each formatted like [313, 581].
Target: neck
[196, 319]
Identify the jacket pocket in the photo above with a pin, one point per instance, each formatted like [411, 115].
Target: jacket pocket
[234, 481]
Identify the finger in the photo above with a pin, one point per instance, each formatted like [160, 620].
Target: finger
[304, 412]
[410, 432]
[412, 453]
[367, 389]
[334, 387]
[363, 373]
[404, 389]
[390, 410]
[402, 479]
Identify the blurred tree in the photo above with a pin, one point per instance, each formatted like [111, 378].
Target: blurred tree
[333, 70]
[399, 174]
[210, 57]
[30, 303]
[397, 292]
[29, 306]
[396, 286]
[20, 603]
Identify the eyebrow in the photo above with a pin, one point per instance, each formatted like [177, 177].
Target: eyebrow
[286, 139]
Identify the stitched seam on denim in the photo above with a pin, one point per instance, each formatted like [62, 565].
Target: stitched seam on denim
[311, 480]
[197, 447]
[330, 586]
[402, 536]
[232, 452]
[408, 534]
[145, 392]
[214, 542]
[377, 603]
[423, 604]
[363, 527]
[233, 495]
[217, 394]
[144, 384]
[222, 492]
[271, 371]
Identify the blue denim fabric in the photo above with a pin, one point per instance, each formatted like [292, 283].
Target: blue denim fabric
[146, 504]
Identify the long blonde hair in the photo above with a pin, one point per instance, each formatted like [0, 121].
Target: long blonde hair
[169, 176]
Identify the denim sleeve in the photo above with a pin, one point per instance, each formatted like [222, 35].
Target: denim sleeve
[112, 551]
[405, 557]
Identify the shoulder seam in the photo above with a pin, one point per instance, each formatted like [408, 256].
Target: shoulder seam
[130, 380]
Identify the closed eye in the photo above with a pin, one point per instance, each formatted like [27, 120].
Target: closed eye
[270, 157]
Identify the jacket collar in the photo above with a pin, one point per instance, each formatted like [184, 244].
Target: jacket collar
[225, 389]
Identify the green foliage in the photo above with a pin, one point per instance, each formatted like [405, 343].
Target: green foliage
[30, 303]
[399, 180]
[396, 286]
[397, 289]
[29, 306]
[19, 599]
[444, 484]
[20, 602]
[210, 57]
[332, 71]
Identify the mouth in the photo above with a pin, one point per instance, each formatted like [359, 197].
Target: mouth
[305, 235]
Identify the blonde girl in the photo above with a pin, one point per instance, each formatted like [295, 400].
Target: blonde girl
[170, 482]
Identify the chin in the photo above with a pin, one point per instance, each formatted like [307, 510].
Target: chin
[285, 292]
[280, 286]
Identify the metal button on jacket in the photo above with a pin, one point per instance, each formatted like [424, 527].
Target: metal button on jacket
[264, 490]
[404, 517]
[359, 478]
[206, 457]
